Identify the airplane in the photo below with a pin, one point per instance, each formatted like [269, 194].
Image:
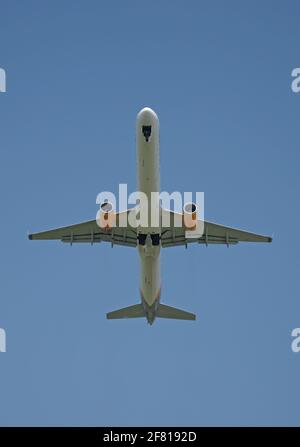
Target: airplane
[148, 240]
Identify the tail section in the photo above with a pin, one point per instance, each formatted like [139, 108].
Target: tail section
[138, 311]
[164, 311]
[135, 311]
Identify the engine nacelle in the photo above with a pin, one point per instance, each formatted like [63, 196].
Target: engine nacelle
[106, 216]
[189, 217]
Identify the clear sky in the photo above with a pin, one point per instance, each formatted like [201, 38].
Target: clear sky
[218, 74]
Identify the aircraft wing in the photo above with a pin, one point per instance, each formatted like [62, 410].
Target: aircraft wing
[90, 232]
[213, 233]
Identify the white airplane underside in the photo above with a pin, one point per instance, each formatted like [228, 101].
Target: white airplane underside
[148, 240]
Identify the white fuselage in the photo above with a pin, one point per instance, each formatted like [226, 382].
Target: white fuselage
[147, 143]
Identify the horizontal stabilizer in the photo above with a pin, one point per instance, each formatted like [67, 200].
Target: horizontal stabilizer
[135, 311]
[164, 311]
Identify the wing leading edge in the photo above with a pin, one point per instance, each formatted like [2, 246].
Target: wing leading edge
[213, 233]
[90, 232]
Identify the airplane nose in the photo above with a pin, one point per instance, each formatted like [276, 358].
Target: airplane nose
[147, 115]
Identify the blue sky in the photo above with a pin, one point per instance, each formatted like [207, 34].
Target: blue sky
[218, 75]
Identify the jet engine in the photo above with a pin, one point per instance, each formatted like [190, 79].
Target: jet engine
[189, 216]
[106, 216]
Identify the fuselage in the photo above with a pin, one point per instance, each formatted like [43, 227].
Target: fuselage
[148, 175]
